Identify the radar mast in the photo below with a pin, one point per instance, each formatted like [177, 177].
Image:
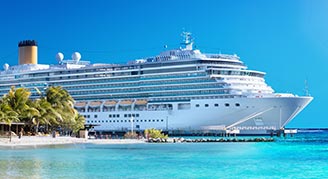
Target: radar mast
[188, 41]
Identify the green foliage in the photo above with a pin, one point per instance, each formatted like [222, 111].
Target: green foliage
[18, 100]
[55, 109]
[7, 114]
[78, 123]
[155, 133]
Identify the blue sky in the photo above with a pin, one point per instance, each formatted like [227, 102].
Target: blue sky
[286, 39]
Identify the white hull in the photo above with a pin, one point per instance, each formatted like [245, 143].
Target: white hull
[253, 115]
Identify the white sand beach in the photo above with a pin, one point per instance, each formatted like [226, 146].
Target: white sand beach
[35, 141]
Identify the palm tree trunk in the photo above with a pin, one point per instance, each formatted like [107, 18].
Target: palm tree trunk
[37, 127]
[9, 133]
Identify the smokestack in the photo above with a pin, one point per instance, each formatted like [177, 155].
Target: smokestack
[27, 52]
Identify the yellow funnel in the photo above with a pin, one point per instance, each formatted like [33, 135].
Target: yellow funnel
[27, 52]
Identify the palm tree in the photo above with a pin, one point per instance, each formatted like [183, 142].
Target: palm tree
[8, 115]
[59, 97]
[46, 114]
[56, 108]
[63, 103]
[78, 123]
[18, 100]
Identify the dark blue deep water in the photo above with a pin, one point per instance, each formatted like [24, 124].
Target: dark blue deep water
[302, 156]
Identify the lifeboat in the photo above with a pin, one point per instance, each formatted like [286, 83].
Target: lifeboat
[126, 102]
[95, 104]
[110, 103]
[141, 102]
[81, 104]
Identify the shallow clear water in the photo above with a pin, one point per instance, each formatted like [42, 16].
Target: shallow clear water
[303, 156]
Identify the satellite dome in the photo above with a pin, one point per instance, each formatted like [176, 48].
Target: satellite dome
[59, 56]
[76, 56]
[5, 66]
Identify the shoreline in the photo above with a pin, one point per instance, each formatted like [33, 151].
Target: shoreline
[48, 141]
[41, 141]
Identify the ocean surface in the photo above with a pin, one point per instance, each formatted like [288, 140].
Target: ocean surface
[302, 156]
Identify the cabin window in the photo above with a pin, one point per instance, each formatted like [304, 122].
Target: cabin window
[96, 116]
[206, 105]
[227, 104]
[197, 105]
[216, 105]
[183, 106]
[237, 104]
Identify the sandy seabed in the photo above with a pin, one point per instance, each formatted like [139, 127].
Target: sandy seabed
[35, 141]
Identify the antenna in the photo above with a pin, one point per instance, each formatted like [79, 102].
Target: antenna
[187, 40]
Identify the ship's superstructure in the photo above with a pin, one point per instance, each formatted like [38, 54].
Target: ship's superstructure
[177, 90]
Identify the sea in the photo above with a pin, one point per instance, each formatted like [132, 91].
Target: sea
[304, 155]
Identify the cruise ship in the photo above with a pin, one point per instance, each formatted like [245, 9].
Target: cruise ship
[181, 90]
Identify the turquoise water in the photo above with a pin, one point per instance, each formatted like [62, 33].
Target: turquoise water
[303, 156]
